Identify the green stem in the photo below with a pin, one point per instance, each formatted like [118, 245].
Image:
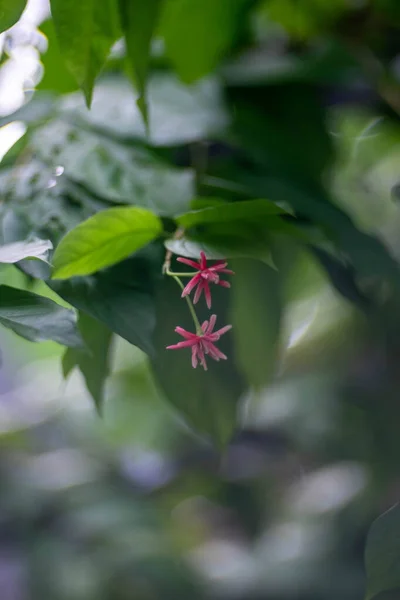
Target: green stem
[199, 330]
[192, 274]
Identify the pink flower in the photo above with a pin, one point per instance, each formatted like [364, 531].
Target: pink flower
[204, 276]
[202, 344]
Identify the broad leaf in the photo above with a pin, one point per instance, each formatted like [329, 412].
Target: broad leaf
[36, 318]
[103, 240]
[382, 554]
[12, 253]
[178, 114]
[138, 21]
[222, 248]
[94, 360]
[10, 12]
[113, 171]
[121, 297]
[207, 400]
[86, 30]
[256, 317]
[197, 33]
[251, 210]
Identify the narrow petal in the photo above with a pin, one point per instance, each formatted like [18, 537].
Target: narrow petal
[219, 263]
[211, 326]
[204, 326]
[207, 293]
[210, 276]
[192, 283]
[203, 261]
[194, 357]
[223, 330]
[218, 266]
[228, 271]
[200, 352]
[187, 261]
[186, 334]
[224, 284]
[198, 291]
[184, 344]
[215, 353]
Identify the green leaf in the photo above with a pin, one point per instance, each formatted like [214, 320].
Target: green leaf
[198, 33]
[94, 360]
[10, 12]
[86, 30]
[250, 210]
[114, 171]
[207, 400]
[178, 114]
[12, 253]
[221, 248]
[382, 554]
[103, 240]
[36, 318]
[121, 297]
[56, 76]
[138, 21]
[256, 317]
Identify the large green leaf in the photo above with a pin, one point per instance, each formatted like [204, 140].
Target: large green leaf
[36, 318]
[251, 210]
[10, 12]
[103, 240]
[208, 400]
[86, 30]
[121, 297]
[114, 171]
[138, 21]
[256, 317]
[382, 554]
[198, 33]
[94, 360]
[178, 114]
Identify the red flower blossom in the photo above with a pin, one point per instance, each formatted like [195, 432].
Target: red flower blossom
[204, 276]
[202, 344]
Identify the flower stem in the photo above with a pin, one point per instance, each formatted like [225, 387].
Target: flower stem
[199, 330]
[192, 274]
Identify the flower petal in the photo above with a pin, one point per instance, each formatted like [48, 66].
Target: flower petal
[215, 352]
[200, 352]
[194, 356]
[187, 261]
[192, 283]
[223, 330]
[184, 344]
[198, 291]
[204, 326]
[203, 261]
[207, 293]
[211, 326]
[228, 271]
[186, 334]
[224, 284]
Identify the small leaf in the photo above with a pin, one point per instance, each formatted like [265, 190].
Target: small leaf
[94, 360]
[10, 13]
[256, 317]
[382, 554]
[36, 318]
[138, 21]
[197, 33]
[207, 400]
[103, 240]
[12, 253]
[86, 30]
[250, 210]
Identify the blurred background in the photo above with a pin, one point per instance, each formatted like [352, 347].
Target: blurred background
[134, 505]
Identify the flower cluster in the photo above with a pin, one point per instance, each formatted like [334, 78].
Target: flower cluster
[203, 341]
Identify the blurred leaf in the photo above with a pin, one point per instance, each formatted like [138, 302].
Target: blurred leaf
[36, 318]
[197, 33]
[250, 210]
[56, 77]
[12, 253]
[85, 30]
[103, 240]
[382, 554]
[121, 297]
[256, 317]
[94, 360]
[178, 114]
[114, 171]
[10, 12]
[138, 21]
[208, 400]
